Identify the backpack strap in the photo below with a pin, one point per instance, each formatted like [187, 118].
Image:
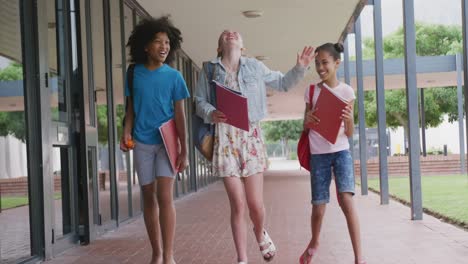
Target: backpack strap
[311, 95]
[130, 74]
[208, 67]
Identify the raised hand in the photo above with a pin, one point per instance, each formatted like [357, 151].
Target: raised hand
[306, 57]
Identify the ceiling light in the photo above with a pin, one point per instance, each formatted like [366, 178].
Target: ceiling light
[252, 13]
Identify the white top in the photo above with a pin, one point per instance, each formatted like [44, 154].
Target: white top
[318, 144]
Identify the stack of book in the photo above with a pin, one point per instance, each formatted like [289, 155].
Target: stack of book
[328, 109]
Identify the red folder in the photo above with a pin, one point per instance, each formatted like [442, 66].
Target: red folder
[171, 142]
[234, 105]
[329, 110]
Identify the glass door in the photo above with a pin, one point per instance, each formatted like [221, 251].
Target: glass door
[134, 186]
[15, 196]
[62, 71]
[97, 101]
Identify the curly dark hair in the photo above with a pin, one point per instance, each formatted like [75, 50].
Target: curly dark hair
[145, 32]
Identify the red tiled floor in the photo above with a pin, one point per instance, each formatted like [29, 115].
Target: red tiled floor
[203, 234]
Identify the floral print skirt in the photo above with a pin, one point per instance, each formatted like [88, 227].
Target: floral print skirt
[237, 152]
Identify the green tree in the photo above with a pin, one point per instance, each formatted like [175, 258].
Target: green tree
[103, 122]
[12, 123]
[282, 130]
[431, 40]
[120, 114]
[101, 111]
[12, 72]
[437, 103]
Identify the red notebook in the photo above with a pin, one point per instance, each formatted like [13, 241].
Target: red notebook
[329, 110]
[234, 105]
[171, 142]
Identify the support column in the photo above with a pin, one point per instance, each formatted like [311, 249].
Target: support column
[465, 52]
[423, 123]
[412, 109]
[347, 77]
[461, 131]
[381, 114]
[362, 121]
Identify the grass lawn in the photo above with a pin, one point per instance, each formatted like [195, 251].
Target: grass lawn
[15, 201]
[446, 195]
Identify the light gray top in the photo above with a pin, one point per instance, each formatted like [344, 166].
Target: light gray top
[253, 77]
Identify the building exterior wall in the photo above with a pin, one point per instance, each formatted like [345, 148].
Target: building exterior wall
[76, 184]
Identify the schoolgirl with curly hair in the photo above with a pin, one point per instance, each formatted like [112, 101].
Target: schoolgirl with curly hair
[157, 95]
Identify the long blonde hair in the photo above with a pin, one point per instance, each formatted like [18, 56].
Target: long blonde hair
[219, 52]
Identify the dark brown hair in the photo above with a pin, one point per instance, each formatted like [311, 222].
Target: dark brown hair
[145, 32]
[334, 49]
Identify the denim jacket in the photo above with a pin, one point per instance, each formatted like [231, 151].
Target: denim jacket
[253, 77]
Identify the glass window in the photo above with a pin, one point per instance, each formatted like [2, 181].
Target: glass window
[100, 88]
[118, 84]
[14, 195]
[56, 54]
[135, 185]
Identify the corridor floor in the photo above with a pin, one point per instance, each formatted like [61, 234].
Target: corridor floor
[203, 234]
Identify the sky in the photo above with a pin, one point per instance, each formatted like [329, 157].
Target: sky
[4, 62]
[425, 10]
[431, 11]
[447, 12]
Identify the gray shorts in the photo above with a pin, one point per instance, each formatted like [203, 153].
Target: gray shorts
[151, 161]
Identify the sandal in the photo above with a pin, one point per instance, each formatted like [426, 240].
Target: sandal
[305, 259]
[269, 252]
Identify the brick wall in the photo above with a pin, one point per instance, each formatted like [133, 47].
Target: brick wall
[399, 166]
[19, 186]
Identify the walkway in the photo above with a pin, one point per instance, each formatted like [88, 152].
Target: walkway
[203, 234]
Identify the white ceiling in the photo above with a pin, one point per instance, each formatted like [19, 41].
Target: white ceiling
[284, 29]
[279, 34]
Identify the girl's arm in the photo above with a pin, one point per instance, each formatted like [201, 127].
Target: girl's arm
[127, 129]
[202, 97]
[180, 126]
[278, 81]
[348, 119]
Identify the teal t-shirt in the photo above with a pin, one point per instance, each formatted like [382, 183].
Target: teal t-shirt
[154, 94]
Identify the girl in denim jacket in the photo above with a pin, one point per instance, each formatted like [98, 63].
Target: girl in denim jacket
[239, 156]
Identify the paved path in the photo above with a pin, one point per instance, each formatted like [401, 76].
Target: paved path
[203, 234]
